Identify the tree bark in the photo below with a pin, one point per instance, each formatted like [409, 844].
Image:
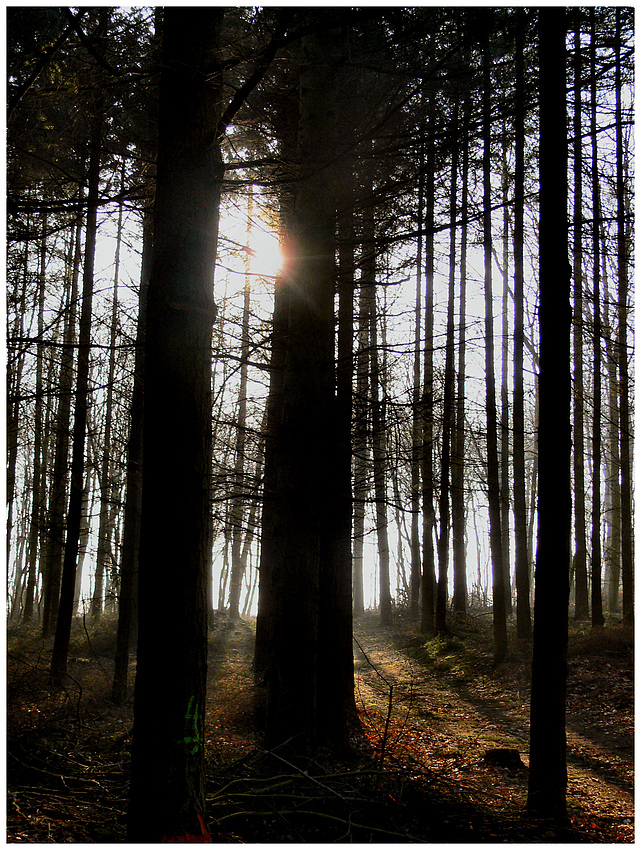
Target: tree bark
[581, 599]
[361, 449]
[336, 705]
[415, 543]
[548, 771]
[287, 124]
[128, 596]
[612, 547]
[627, 569]
[505, 402]
[166, 798]
[74, 514]
[379, 455]
[493, 485]
[595, 538]
[428, 576]
[54, 550]
[521, 566]
[37, 483]
[448, 405]
[304, 478]
[459, 602]
[105, 476]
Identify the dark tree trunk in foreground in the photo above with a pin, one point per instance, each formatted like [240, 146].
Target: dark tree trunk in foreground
[303, 459]
[548, 770]
[167, 779]
[286, 120]
[336, 657]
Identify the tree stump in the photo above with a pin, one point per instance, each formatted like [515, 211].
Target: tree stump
[504, 757]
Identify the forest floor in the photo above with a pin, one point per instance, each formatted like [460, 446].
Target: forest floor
[433, 715]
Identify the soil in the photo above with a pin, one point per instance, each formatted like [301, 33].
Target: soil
[441, 753]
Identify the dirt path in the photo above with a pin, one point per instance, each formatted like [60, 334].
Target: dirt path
[430, 711]
[449, 707]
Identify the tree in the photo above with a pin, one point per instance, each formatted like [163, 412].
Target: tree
[379, 454]
[302, 514]
[448, 403]
[106, 475]
[521, 567]
[428, 576]
[54, 549]
[286, 121]
[596, 545]
[238, 564]
[128, 596]
[37, 486]
[74, 514]
[415, 572]
[166, 798]
[336, 657]
[548, 772]
[622, 346]
[580, 555]
[493, 486]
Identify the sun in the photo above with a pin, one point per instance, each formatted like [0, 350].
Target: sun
[267, 259]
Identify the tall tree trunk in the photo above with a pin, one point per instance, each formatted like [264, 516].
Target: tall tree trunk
[56, 537]
[128, 596]
[74, 514]
[612, 549]
[548, 771]
[105, 475]
[14, 378]
[597, 599]
[505, 403]
[622, 350]
[361, 448]
[166, 796]
[521, 566]
[287, 123]
[218, 385]
[379, 455]
[494, 490]
[459, 601]
[37, 488]
[428, 576]
[86, 514]
[448, 405]
[581, 598]
[304, 478]
[415, 544]
[336, 655]
[238, 499]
